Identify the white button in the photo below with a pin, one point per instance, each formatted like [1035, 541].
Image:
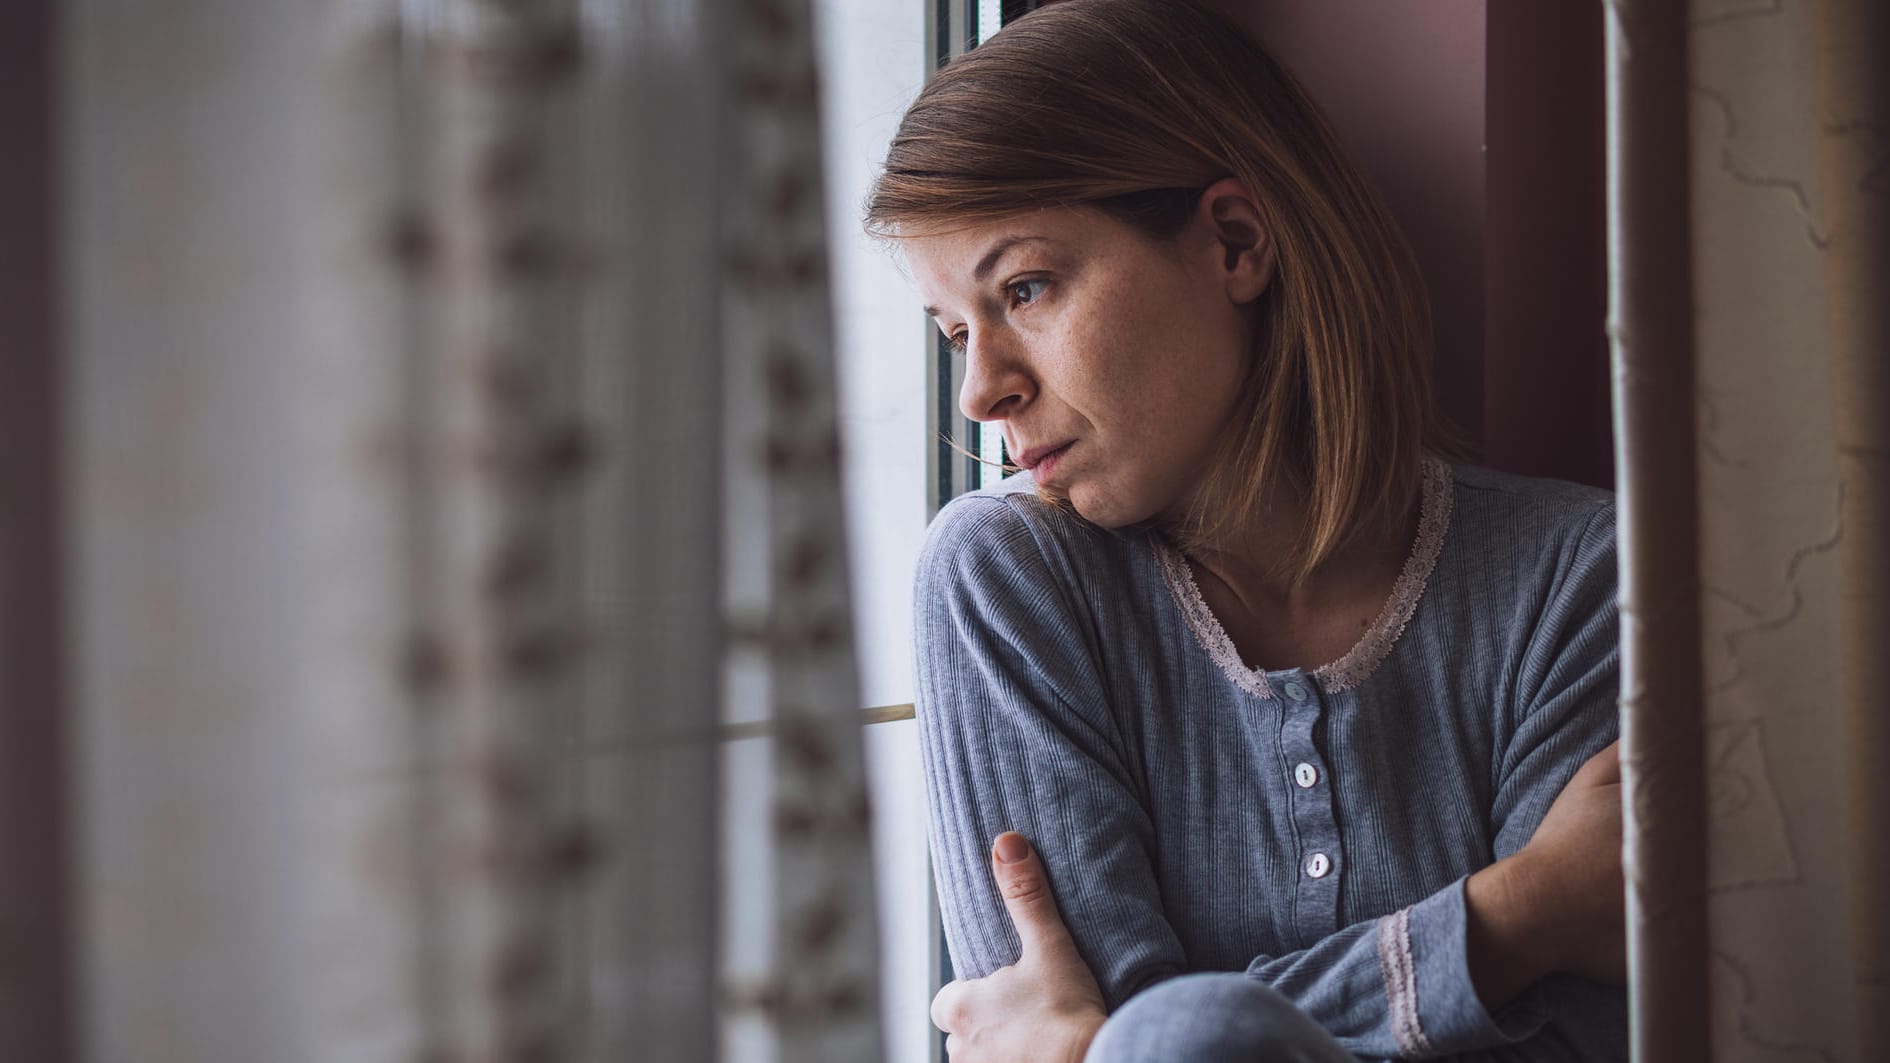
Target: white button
[1318, 865]
[1296, 692]
[1305, 775]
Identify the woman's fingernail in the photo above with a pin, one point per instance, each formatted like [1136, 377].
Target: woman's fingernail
[1012, 847]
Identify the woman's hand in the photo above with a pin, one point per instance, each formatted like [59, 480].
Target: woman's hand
[1046, 1007]
[1574, 861]
[1559, 904]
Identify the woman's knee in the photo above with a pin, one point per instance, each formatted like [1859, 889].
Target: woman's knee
[1213, 1018]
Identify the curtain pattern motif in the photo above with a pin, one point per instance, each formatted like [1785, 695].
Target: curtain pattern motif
[411, 331]
[498, 279]
[464, 251]
[821, 995]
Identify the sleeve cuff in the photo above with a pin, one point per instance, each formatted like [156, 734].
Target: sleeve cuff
[1424, 956]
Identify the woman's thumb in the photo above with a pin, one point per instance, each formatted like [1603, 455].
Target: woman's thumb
[1026, 892]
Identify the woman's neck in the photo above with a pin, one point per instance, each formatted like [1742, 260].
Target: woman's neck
[1278, 621]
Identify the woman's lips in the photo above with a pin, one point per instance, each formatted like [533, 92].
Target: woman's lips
[1043, 463]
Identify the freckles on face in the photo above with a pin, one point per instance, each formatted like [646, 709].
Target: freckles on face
[1162, 367]
[1079, 329]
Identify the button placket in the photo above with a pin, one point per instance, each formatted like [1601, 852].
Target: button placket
[1315, 821]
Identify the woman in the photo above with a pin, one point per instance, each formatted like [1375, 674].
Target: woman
[1294, 740]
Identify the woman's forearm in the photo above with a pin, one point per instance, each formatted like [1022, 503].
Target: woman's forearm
[1558, 904]
[1510, 943]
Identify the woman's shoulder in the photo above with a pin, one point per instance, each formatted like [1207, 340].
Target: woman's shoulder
[1007, 538]
[1532, 556]
[1523, 550]
[1532, 512]
[996, 524]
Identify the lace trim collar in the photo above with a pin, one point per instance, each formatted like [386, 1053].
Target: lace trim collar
[1350, 670]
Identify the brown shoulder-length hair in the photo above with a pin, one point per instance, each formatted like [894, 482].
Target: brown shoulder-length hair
[1110, 104]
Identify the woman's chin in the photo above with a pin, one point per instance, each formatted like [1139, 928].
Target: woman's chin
[1101, 508]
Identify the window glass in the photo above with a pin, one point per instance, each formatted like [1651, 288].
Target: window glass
[874, 61]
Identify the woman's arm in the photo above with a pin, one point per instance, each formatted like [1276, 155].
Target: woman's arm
[1016, 734]
[1558, 905]
[1045, 1008]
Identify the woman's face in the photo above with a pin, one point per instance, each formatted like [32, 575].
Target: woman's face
[1109, 360]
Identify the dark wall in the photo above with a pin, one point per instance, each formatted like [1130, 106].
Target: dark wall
[34, 973]
[1546, 402]
[1483, 125]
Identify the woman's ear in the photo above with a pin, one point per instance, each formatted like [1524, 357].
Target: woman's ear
[1245, 248]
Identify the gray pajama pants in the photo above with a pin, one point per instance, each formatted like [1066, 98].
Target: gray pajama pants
[1213, 1018]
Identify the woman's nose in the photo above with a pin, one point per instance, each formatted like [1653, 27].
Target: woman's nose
[996, 380]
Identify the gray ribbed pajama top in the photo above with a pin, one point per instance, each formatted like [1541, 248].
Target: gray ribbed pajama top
[1310, 828]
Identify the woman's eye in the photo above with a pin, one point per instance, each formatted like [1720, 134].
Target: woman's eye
[1025, 292]
[956, 341]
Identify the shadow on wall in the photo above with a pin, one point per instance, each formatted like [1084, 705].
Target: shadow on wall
[1483, 125]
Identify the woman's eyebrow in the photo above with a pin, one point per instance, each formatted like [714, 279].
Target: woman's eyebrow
[991, 257]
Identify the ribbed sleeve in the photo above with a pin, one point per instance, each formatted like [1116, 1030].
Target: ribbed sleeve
[1017, 735]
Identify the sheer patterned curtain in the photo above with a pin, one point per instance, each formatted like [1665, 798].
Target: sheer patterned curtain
[1751, 168]
[451, 423]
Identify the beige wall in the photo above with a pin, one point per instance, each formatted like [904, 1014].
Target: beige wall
[1777, 841]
